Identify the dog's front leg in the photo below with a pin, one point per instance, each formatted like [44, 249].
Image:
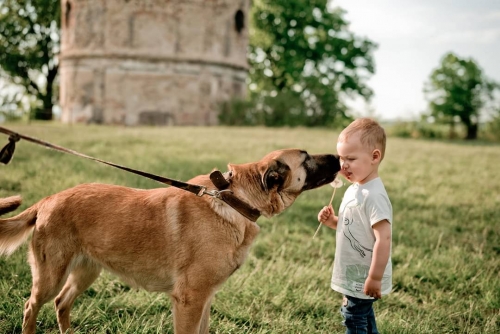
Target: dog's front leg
[191, 310]
[205, 318]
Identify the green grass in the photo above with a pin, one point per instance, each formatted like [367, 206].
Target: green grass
[446, 233]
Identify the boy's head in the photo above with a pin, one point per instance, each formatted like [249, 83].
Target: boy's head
[361, 147]
[372, 135]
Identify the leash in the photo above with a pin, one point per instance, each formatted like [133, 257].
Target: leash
[216, 177]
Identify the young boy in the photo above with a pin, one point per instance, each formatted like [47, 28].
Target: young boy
[362, 269]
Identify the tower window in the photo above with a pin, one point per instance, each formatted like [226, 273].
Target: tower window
[67, 13]
[239, 21]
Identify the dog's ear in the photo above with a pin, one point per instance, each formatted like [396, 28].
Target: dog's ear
[274, 175]
[270, 179]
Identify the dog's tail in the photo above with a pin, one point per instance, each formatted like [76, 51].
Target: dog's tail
[15, 230]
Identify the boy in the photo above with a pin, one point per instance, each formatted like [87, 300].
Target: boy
[362, 269]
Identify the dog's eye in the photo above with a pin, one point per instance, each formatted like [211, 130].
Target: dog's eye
[298, 179]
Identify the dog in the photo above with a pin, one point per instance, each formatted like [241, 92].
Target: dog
[166, 239]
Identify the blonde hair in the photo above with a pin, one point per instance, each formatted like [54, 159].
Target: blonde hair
[372, 135]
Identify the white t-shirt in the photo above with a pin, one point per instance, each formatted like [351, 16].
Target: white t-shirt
[363, 206]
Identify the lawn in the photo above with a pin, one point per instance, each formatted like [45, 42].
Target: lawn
[446, 232]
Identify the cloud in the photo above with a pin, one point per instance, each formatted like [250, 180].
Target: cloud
[493, 16]
[483, 36]
[382, 20]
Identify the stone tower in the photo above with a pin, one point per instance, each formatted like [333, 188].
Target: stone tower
[157, 62]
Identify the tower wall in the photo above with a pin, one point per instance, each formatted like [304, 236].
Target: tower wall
[151, 62]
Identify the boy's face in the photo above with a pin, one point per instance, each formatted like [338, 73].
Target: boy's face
[358, 164]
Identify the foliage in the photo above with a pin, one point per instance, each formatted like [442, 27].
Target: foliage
[302, 51]
[238, 112]
[29, 44]
[445, 234]
[492, 129]
[458, 89]
[284, 109]
[10, 103]
[488, 131]
[418, 129]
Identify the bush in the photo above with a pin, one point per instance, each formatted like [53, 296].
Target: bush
[238, 112]
[282, 109]
[420, 129]
[492, 130]
[10, 116]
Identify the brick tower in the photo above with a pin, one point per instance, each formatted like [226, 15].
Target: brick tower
[155, 62]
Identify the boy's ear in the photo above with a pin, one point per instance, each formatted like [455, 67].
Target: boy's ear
[376, 155]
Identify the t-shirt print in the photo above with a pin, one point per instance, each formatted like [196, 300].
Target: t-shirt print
[349, 230]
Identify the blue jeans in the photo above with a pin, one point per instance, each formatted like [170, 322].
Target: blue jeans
[358, 314]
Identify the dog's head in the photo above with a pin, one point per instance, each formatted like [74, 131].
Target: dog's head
[272, 184]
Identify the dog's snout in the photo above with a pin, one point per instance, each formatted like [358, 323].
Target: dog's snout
[321, 169]
[329, 161]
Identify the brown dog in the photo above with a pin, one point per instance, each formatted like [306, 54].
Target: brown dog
[164, 239]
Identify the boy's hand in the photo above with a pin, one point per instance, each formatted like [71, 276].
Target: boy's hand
[373, 288]
[327, 217]
[325, 213]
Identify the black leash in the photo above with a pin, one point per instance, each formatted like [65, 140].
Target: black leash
[216, 177]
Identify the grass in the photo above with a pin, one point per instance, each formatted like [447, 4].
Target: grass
[446, 233]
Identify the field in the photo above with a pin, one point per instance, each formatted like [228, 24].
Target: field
[446, 233]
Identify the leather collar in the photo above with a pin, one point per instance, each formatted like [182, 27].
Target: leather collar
[228, 197]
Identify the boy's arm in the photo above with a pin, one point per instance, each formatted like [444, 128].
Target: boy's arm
[327, 217]
[381, 253]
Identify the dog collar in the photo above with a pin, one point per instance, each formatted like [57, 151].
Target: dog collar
[228, 197]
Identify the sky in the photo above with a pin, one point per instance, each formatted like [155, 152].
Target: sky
[412, 38]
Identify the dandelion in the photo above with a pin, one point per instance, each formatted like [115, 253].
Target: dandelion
[337, 183]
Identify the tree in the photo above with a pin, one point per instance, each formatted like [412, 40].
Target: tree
[458, 89]
[29, 45]
[303, 49]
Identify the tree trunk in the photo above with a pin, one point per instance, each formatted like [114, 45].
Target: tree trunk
[471, 126]
[45, 113]
[471, 131]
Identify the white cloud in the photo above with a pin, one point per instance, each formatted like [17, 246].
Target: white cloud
[484, 36]
[493, 16]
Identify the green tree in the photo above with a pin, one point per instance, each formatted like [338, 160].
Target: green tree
[303, 49]
[458, 89]
[29, 45]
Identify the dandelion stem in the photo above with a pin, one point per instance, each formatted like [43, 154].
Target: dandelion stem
[320, 223]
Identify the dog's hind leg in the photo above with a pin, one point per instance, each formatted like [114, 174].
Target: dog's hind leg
[48, 279]
[83, 274]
